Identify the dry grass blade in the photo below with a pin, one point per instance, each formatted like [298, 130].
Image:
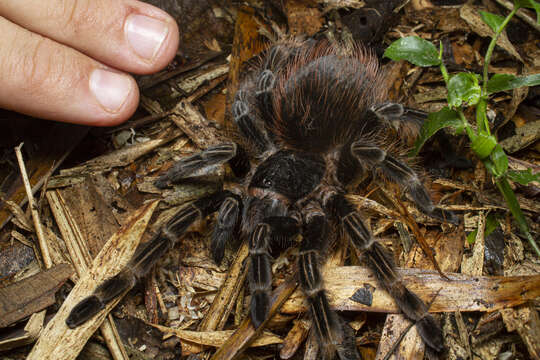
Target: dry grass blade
[42, 163]
[411, 223]
[217, 338]
[246, 333]
[75, 242]
[33, 210]
[59, 342]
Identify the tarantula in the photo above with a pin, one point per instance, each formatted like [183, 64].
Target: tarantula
[315, 117]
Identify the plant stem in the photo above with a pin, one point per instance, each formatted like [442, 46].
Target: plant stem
[444, 73]
[492, 47]
[441, 66]
[481, 117]
[515, 209]
[468, 130]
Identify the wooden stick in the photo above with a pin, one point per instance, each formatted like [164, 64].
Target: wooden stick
[246, 333]
[33, 209]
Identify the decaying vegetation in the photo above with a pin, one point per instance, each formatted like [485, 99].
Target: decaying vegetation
[94, 202]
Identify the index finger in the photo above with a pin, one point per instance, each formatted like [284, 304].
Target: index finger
[126, 34]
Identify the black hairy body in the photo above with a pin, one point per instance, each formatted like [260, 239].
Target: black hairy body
[314, 117]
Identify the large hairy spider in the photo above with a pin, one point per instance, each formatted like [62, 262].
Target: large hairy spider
[315, 117]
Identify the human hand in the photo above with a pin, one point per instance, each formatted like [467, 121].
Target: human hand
[66, 60]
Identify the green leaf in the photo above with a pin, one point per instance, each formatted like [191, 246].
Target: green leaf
[502, 82]
[483, 145]
[491, 224]
[523, 176]
[515, 209]
[463, 88]
[471, 237]
[416, 50]
[435, 122]
[494, 21]
[530, 4]
[500, 160]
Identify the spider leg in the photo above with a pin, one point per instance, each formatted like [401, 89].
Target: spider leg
[396, 115]
[260, 271]
[104, 293]
[402, 174]
[227, 220]
[278, 57]
[145, 257]
[328, 325]
[381, 262]
[265, 84]
[214, 155]
[244, 117]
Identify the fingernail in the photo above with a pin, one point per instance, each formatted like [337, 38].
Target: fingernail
[145, 35]
[111, 89]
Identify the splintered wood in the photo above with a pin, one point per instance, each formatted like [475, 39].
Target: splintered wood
[246, 333]
[57, 341]
[32, 294]
[459, 293]
[77, 247]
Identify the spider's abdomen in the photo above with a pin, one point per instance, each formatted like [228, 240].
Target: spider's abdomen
[322, 96]
[291, 174]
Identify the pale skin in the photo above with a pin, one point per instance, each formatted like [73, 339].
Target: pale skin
[70, 60]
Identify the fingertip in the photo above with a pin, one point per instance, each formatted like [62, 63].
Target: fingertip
[152, 36]
[169, 48]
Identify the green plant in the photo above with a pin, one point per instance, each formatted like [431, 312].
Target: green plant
[491, 224]
[465, 90]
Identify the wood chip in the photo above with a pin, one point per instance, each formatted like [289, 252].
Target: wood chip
[295, 338]
[473, 264]
[194, 125]
[525, 136]
[461, 293]
[411, 344]
[32, 294]
[29, 334]
[526, 322]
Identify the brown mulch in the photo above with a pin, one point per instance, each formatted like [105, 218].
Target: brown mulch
[95, 200]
